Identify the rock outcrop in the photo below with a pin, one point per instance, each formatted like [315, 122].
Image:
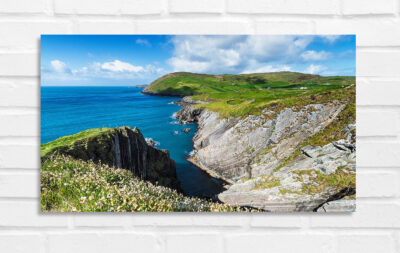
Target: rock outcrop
[127, 149]
[319, 175]
[236, 148]
[249, 153]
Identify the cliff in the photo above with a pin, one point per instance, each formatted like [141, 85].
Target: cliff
[283, 141]
[121, 148]
[282, 160]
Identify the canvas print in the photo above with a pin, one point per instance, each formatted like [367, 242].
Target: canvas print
[198, 123]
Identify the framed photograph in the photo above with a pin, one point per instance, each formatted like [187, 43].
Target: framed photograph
[198, 123]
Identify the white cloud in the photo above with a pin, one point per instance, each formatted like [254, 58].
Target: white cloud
[315, 69]
[312, 55]
[236, 54]
[267, 68]
[119, 66]
[116, 70]
[330, 38]
[143, 42]
[58, 66]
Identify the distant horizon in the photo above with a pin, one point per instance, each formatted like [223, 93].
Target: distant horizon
[128, 60]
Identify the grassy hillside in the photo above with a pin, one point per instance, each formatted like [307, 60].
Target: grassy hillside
[69, 140]
[239, 95]
[70, 185]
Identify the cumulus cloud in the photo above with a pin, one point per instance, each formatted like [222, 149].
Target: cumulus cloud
[119, 66]
[267, 68]
[315, 69]
[236, 54]
[109, 70]
[58, 66]
[330, 38]
[312, 55]
[143, 42]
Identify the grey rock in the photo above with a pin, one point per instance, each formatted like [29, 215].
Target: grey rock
[342, 205]
[231, 147]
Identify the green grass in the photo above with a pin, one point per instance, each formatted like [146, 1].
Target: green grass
[266, 182]
[339, 179]
[69, 140]
[70, 185]
[240, 95]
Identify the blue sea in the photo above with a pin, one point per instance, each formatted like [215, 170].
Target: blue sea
[68, 110]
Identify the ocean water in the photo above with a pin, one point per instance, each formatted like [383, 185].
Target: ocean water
[68, 110]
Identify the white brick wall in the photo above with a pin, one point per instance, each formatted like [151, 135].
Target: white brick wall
[375, 227]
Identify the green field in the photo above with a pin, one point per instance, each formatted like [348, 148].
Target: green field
[240, 95]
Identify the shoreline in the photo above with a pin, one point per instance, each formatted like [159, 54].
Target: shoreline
[225, 183]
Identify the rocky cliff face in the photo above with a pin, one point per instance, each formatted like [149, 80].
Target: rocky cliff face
[236, 148]
[127, 149]
[250, 153]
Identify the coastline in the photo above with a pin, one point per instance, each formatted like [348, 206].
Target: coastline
[152, 93]
[225, 182]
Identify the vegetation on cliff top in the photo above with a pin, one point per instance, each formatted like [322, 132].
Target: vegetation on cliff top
[69, 140]
[70, 185]
[239, 95]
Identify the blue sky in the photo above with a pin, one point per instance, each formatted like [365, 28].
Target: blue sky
[140, 59]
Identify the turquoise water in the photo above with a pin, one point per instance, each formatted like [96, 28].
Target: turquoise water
[68, 110]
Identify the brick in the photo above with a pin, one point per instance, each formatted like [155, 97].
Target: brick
[27, 214]
[104, 242]
[109, 7]
[101, 220]
[367, 215]
[275, 220]
[283, 27]
[11, 156]
[26, 34]
[278, 242]
[365, 243]
[155, 220]
[22, 6]
[31, 243]
[188, 220]
[20, 125]
[20, 185]
[318, 7]
[356, 7]
[376, 91]
[193, 243]
[19, 64]
[377, 184]
[225, 220]
[106, 27]
[200, 6]
[376, 123]
[143, 7]
[378, 154]
[192, 27]
[370, 32]
[378, 63]
[19, 93]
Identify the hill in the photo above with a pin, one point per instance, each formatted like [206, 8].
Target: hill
[241, 95]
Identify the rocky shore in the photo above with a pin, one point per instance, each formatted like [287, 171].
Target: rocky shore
[266, 162]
